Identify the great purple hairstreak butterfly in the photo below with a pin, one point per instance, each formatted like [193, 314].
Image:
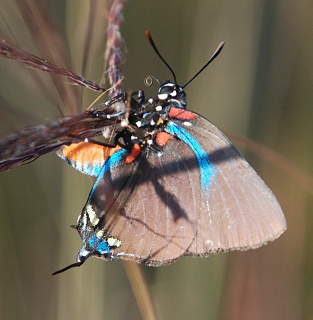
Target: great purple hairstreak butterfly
[168, 182]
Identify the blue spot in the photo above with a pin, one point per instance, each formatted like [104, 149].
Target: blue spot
[103, 247]
[87, 168]
[206, 167]
[91, 170]
[92, 241]
[99, 244]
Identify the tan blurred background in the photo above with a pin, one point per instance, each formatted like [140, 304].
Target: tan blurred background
[259, 87]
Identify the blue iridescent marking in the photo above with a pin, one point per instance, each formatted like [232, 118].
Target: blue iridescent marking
[99, 244]
[92, 170]
[114, 160]
[87, 168]
[206, 167]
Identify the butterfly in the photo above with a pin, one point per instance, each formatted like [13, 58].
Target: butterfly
[168, 182]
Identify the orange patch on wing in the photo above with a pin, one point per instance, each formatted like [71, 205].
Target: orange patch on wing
[134, 153]
[181, 114]
[88, 152]
[162, 138]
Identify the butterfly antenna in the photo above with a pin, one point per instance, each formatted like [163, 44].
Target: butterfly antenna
[215, 54]
[148, 35]
[76, 264]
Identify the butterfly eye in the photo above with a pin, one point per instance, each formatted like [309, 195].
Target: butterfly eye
[166, 90]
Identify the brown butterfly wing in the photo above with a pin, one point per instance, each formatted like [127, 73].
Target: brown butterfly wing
[160, 213]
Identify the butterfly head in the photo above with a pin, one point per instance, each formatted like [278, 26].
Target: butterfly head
[173, 94]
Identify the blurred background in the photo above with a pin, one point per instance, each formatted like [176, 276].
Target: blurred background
[259, 87]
